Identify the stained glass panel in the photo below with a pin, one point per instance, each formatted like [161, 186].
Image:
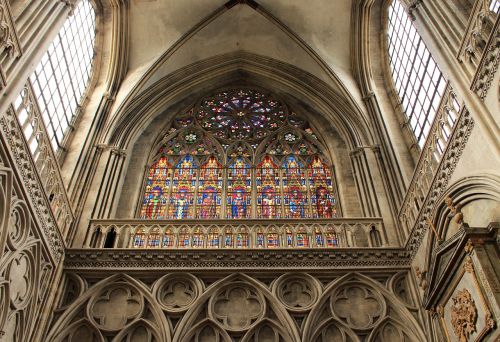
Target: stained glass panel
[239, 189]
[294, 189]
[183, 189]
[321, 187]
[154, 238]
[157, 188]
[241, 114]
[210, 187]
[139, 238]
[268, 189]
[168, 239]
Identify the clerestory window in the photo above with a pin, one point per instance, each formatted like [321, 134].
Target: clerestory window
[239, 154]
[61, 78]
[416, 76]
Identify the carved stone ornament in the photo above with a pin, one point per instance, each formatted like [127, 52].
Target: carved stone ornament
[455, 210]
[468, 266]
[469, 246]
[463, 315]
[422, 277]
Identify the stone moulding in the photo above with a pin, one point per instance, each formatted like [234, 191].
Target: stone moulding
[251, 259]
[447, 165]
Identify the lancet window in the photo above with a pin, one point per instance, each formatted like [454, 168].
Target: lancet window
[416, 76]
[239, 154]
[61, 78]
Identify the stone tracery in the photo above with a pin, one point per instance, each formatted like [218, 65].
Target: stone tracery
[238, 144]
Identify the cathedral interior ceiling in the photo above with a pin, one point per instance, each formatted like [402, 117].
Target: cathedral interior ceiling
[276, 30]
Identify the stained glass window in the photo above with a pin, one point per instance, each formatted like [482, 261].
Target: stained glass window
[294, 189]
[168, 238]
[241, 114]
[273, 240]
[184, 237]
[239, 154]
[139, 238]
[239, 189]
[268, 189]
[302, 239]
[320, 185]
[213, 238]
[210, 190]
[183, 188]
[154, 238]
[157, 188]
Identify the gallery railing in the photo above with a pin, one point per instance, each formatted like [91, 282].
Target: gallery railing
[442, 128]
[30, 121]
[480, 45]
[279, 233]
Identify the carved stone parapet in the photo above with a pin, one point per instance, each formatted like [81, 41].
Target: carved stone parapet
[437, 162]
[9, 41]
[488, 65]
[84, 260]
[239, 234]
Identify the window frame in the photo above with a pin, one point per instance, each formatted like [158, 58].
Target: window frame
[409, 122]
[93, 70]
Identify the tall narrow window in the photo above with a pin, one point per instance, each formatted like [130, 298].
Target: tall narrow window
[268, 189]
[183, 188]
[416, 77]
[210, 190]
[157, 187]
[294, 188]
[239, 189]
[62, 76]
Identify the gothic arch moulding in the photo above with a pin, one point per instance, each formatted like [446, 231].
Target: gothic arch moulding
[240, 306]
[119, 307]
[355, 305]
[463, 200]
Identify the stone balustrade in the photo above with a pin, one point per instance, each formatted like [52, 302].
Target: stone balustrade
[447, 115]
[276, 233]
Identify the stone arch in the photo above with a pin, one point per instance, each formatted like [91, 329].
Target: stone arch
[207, 304]
[204, 330]
[333, 330]
[141, 330]
[81, 330]
[136, 293]
[390, 329]
[480, 192]
[377, 302]
[267, 331]
[236, 68]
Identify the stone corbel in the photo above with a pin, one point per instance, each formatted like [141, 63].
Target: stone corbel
[412, 8]
[422, 278]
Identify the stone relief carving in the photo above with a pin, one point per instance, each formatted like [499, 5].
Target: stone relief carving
[27, 170]
[463, 315]
[238, 307]
[118, 308]
[9, 41]
[25, 269]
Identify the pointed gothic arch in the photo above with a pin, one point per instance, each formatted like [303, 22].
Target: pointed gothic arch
[275, 163]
